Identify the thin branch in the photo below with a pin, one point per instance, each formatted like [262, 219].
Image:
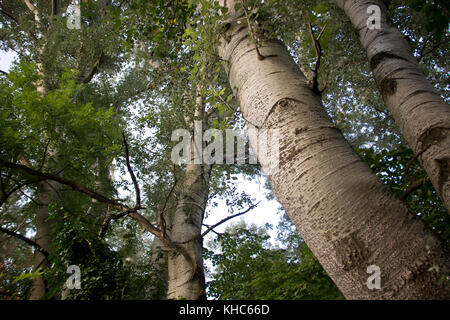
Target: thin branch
[406, 174]
[90, 74]
[413, 187]
[228, 218]
[163, 209]
[26, 240]
[130, 171]
[18, 186]
[414, 184]
[9, 15]
[4, 72]
[315, 72]
[124, 209]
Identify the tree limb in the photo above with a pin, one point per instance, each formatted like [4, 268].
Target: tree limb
[315, 72]
[26, 240]
[9, 15]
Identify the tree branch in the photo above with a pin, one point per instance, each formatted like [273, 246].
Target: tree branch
[315, 72]
[9, 15]
[130, 171]
[124, 209]
[26, 240]
[88, 76]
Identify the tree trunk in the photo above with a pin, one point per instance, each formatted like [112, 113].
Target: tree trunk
[46, 194]
[348, 218]
[421, 114]
[186, 224]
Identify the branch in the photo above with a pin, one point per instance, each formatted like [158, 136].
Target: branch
[9, 15]
[406, 175]
[130, 171]
[414, 184]
[88, 76]
[18, 186]
[26, 240]
[413, 187]
[74, 186]
[124, 209]
[211, 228]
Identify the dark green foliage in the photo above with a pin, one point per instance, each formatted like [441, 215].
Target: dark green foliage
[390, 168]
[76, 242]
[247, 266]
[436, 14]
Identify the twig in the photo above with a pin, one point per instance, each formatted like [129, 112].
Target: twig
[9, 15]
[315, 72]
[130, 171]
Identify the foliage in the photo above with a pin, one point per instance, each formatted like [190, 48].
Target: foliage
[390, 167]
[75, 242]
[247, 266]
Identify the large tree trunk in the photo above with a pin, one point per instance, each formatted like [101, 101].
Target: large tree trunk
[185, 280]
[422, 115]
[348, 218]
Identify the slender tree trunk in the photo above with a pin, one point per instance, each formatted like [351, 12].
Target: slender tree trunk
[186, 224]
[348, 218]
[421, 114]
[46, 194]
[185, 280]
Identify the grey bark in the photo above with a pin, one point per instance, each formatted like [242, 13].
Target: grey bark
[347, 217]
[187, 281]
[421, 114]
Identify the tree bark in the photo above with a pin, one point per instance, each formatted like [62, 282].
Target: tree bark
[185, 280]
[421, 114]
[348, 218]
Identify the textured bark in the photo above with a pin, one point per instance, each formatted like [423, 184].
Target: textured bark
[421, 114]
[348, 218]
[185, 280]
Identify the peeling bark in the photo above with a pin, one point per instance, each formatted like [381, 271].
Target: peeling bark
[421, 114]
[347, 217]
